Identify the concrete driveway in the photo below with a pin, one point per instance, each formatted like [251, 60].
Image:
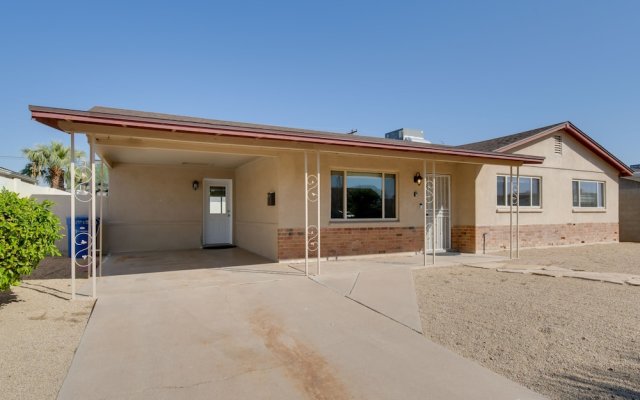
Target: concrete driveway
[260, 331]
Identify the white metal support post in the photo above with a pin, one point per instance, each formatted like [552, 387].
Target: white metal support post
[101, 225]
[510, 194]
[72, 237]
[424, 212]
[318, 205]
[93, 236]
[433, 210]
[306, 215]
[518, 212]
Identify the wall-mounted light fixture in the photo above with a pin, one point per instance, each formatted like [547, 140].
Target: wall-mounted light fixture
[417, 178]
[195, 185]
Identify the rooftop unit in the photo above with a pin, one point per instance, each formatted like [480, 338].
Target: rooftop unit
[410, 135]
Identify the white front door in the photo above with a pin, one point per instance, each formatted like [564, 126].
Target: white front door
[217, 211]
[442, 196]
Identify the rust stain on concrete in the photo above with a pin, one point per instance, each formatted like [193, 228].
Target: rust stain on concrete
[308, 369]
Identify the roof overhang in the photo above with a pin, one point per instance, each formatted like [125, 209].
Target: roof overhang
[53, 117]
[581, 137]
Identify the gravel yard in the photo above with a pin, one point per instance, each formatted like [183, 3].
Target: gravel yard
[565, 338]
[613, 257]
[40, 330]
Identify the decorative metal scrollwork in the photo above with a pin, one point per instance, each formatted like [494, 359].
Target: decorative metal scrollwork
[83, 183]
[515, 193]
[312, 242]
[428, 187]
[82, 239]
[312, 188]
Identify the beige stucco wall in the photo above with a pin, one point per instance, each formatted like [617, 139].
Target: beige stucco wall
[557, 172]
[629, 210]
[256, 223]
[154, 207]
[463, 194]
[409, 211]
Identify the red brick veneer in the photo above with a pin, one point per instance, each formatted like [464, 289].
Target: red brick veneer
[469, 238]
[351, 241]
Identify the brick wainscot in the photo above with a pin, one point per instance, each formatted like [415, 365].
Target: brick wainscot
[351, 241]
[469, 239]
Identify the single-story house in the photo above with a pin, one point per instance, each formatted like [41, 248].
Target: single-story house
[24, 185]
[180, 182]
[630, 206]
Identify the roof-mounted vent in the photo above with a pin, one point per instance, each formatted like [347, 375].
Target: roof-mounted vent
[410, 135]
[557, 145]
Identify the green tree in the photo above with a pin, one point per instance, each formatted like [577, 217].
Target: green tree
[28, 231]
[50, 162]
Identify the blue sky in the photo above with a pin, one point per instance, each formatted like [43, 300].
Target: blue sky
[460, 70]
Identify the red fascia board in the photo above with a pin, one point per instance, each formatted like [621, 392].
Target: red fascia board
[47, 117]
[581, 137]
[602, 152]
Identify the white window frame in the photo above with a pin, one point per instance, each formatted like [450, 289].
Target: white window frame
[507, 190]
[344, 196]
[599, 192]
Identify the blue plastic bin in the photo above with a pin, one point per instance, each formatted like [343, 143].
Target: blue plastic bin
[82, 235]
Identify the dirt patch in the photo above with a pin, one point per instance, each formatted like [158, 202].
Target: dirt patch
[40, 330]
[56, 268]
[614, 257]
[565, 338]
[308, 369]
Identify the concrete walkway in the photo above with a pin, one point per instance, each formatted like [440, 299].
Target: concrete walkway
[385, 283]
[258, 331]
[560, 272]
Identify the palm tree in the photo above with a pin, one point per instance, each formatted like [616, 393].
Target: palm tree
[50, 161]
[35, 168]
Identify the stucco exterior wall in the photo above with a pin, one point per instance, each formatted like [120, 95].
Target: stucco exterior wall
[409, 211]
[154, 207]
[629, 210]
[352, 237]
[256, 223]
[25, 189]
[556, 173]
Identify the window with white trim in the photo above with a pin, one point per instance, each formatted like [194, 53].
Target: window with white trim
[529, 187]
[363, 195]
[588, 194]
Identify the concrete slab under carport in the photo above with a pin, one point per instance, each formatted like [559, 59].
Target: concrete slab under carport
[259, 332]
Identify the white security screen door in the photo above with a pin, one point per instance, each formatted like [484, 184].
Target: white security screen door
[442, 196]
[217, 211]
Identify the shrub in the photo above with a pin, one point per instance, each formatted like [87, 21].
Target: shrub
[28, 231]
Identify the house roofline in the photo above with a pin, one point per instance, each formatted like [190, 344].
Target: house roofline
[17, 175]
[583, 138]
[52, 116]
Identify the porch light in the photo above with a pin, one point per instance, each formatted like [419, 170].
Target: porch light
[417, 178]
[195, 185]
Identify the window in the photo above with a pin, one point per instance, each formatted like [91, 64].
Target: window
[528, 186]
[363, 195]
[588, 193]
[217, 200]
